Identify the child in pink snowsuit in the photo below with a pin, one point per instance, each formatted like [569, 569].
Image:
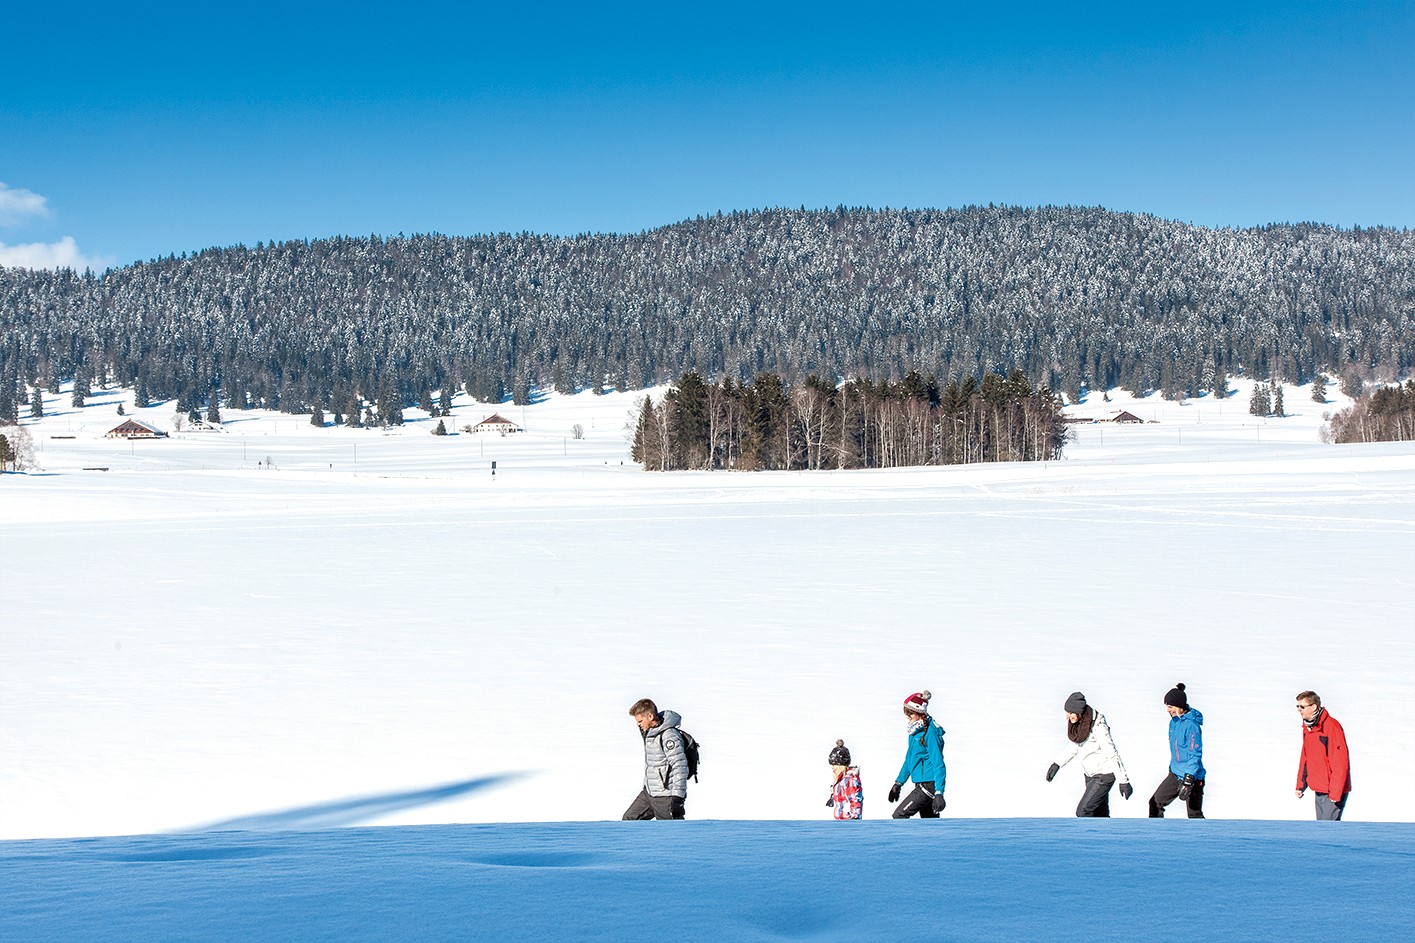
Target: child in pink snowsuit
[847, 796]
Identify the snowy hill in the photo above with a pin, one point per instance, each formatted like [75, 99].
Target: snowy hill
[1016, 879]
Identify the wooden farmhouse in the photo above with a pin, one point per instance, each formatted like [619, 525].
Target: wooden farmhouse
[132, 429]
[1123, 416]
[496, 423]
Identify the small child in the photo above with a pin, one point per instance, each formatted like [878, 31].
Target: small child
[847, 796]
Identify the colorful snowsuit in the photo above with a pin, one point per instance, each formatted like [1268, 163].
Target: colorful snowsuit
[847, 796]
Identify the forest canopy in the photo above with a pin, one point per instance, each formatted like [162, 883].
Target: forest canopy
[1072, 297]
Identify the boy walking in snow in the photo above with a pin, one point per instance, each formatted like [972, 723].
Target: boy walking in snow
[1324, 766]
[1186, 758]
[923, 763]
[847, 796]
[665, 764]
[1088, 736]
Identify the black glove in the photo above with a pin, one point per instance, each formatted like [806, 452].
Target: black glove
[1127, 790]
[1052, 770]
[1186, 787]
[894, 792]
[830, 803]
[939, 803]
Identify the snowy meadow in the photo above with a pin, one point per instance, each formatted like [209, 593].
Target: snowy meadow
[281, 630]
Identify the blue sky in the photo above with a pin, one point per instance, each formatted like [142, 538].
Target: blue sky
[132, 131]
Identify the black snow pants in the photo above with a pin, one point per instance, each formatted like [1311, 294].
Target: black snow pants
[646, 806]
[1095, 801]
[1168, 790]
[919, 802]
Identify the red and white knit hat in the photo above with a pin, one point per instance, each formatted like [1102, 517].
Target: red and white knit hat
[918, 703]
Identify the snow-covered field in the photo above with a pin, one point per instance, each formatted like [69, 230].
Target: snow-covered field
[280, 626]
[227, 624]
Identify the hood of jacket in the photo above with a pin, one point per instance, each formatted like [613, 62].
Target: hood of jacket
[670, 719]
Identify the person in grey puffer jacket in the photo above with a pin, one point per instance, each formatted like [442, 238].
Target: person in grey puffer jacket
[665, 764]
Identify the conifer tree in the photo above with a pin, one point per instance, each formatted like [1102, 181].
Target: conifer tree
[1351, 384]
[81, 389]
[688, 421]
[1220, 382]
[1260, 403]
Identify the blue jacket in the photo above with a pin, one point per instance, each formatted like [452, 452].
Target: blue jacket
[1186, 745]
[924, 761]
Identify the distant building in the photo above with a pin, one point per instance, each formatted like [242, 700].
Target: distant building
[132, 429]
[496, 423]
[201, 425]
[1123, 416]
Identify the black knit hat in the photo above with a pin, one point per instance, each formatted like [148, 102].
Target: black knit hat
[840, 756]
[1076, 703]
[1177, 698]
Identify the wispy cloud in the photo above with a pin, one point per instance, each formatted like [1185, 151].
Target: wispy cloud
[52, 255]
[18, 205]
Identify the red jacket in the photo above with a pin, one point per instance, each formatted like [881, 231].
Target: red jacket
[1325, 765]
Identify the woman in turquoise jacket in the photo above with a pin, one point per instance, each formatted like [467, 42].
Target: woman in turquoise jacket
[923, 763]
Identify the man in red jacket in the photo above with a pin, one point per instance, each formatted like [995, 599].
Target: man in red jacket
[1325, 767]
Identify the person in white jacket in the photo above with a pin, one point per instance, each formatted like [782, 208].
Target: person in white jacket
[1088, 736]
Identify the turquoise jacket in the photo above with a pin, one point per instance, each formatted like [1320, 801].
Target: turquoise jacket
[924, 761]
[1186, 745]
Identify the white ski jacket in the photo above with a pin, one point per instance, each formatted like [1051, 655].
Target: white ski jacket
[1097, 752]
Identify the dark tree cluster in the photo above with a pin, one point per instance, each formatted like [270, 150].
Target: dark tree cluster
[768, 424]
[1386, 414]
[1074, 297]
[1267, 400]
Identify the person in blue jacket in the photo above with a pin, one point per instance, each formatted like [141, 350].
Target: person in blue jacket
[923, 763]
[1186, 776]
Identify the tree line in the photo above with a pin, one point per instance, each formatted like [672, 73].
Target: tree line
[1075, 297]
[768, 424]
[1386, 414]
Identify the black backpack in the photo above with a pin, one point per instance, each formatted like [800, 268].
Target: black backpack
[691, 751]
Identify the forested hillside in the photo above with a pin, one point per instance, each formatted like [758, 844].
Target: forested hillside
[1070, 296]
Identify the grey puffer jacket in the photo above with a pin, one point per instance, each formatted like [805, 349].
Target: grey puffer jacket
[665, 764]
